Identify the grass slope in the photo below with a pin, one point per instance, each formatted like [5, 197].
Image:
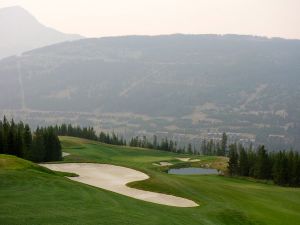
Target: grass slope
[31, 196]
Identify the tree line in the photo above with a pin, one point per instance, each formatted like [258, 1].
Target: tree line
[165, 144]
[43, 145]
[282, 167]
[112, 138]
[76, 131]
[207, 147]
[89, 133]
[17, 139]
[210, 147]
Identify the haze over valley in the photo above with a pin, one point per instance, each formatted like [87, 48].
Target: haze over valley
[187, 87]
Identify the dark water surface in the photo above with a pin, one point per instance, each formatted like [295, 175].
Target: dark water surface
[192, 170]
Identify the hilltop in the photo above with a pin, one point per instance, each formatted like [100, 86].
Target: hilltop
[20, 32]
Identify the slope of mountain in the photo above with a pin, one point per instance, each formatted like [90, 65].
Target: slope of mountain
[21, 32]
[191, 85]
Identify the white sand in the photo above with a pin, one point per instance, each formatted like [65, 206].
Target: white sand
[162, 164]
[188, 160]
[183, 159]
[115, 178]
[65, 154]
[194, 160]
[165, 164]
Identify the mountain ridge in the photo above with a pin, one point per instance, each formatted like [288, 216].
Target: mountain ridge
[186, 84]
[22, 32]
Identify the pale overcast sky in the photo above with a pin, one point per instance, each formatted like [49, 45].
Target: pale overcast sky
[95, 18]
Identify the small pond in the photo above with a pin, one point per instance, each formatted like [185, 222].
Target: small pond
[193, 170]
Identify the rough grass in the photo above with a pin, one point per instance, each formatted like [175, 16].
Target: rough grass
[29, 196]
[10, 162]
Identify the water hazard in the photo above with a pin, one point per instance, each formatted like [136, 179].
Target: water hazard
[193, 170]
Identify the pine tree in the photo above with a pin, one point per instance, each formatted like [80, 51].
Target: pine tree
[155, 142]
[38, 151]
[204, 147]
[27, 141]
[280, 172]
[233, 160]
[262, 168]
[223, 144]
[297, 169]
[11, 139]
[49, 139]
[1, 138]
[219, 150]
[292, 168]
[5, 134]
[171, 146]
[243, 162]
[251, 161]
[210, 147]
[19, 142]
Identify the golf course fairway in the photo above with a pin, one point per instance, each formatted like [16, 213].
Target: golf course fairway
[31, 194]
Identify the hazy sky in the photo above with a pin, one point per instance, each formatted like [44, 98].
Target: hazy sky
[94, 18]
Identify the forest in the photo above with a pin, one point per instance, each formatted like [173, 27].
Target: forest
[282, 167]
[89, 133]
[17, 139]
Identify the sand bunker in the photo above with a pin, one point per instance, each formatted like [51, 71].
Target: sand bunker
[188, 160]
[65, 154]
[194, 160]
[115, 178]
[183, 159]
[162, 164]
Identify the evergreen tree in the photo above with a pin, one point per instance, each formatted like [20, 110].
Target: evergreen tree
[204, 147]
[297, 169]
[243, 162]
[155, 143]
[223, 144]
[1, 138]
[5, 135]
[219, 150]
[52, 145]
[19, 141]
[291, 167]
[190, 151]
[233, 160]
[27, 141]
[12, 139]
[280, 171]
[38, 151]
[16, 139]
[262, 169]
[251, 161]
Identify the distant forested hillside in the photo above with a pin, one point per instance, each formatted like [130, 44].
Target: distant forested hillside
[188, 85]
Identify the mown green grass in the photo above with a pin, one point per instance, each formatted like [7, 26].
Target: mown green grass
[31, 196]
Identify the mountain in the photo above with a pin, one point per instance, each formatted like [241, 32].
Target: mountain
[21, 32]
[184, 86]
